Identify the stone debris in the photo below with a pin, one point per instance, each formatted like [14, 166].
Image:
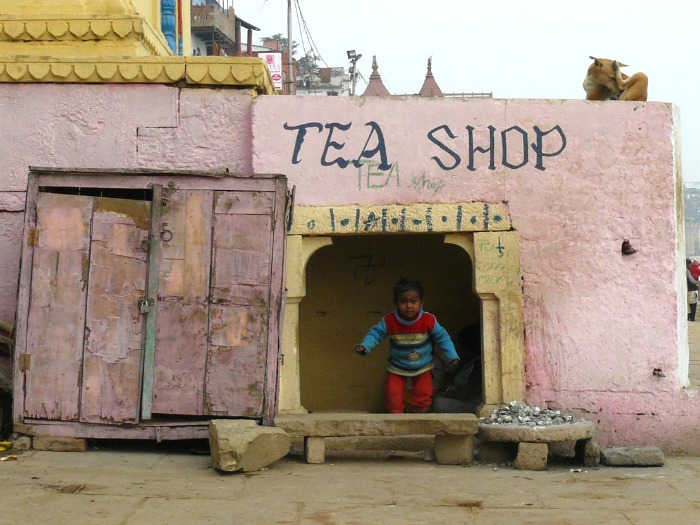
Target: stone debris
[518, 413]
[244, 445]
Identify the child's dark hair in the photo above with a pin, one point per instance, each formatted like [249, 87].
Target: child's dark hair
[407, 285]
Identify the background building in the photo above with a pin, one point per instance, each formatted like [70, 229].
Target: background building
[691, 199]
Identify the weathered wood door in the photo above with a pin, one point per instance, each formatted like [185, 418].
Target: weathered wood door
[213, 303]
[142, 308]
[52, 360]
[181, 335]
[84, 332]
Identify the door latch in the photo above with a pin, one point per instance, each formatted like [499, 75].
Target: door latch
[145, 305]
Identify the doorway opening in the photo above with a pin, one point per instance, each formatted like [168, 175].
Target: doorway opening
[349, 288]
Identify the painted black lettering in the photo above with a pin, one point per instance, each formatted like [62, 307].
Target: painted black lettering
[330, 143]
[380, 148]
[439, 144]
[504, 145]
[539, 148]
[490, 149]
[301, 133]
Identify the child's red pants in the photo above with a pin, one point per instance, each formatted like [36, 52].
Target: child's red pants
[422, 392]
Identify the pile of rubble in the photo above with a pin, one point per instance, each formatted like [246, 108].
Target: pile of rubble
[517, 413]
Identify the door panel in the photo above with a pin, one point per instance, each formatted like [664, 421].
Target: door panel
[240, 291]
[182, 320]
[181, 350]
[242, 256]
[186, 241]
[55, 324]
[111, 388]
[236, 364]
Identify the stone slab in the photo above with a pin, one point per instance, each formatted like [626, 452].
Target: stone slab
[632, 456]
[543, 434]
[244, 445]
[59, 444]
[338, 424]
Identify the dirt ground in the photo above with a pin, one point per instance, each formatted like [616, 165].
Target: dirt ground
[173, 483]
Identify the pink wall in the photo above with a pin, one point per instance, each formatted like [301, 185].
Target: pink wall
[109, 126]
[597, 323]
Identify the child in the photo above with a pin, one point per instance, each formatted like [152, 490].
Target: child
[411, 333]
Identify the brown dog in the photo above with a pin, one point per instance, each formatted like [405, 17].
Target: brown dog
[605, 81]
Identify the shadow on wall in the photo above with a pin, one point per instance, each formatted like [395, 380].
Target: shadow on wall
[6, 347]
[349, 288]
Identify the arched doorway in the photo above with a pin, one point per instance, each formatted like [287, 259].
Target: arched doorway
[348, 289]
[481, 230]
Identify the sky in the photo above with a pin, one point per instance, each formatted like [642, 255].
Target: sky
[530, 49]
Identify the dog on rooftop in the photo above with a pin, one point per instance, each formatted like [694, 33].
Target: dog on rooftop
[605, 81]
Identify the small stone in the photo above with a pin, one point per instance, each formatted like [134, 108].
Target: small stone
[632, 456]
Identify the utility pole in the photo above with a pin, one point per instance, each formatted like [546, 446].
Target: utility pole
[354, 57]
[290, 63]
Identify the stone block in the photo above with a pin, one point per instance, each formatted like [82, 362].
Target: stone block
[59, 444]
[531, 456]
[454, 450]
[241, 444]
[632, 457]
[21, 443]
[315, 450]
[588, 452]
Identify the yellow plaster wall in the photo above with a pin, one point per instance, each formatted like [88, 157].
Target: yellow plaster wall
[497, 281]
[59, 28]
[187, 28]
[349, 288]
[148, 9]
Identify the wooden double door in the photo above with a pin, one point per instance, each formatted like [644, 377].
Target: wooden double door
[151, 298]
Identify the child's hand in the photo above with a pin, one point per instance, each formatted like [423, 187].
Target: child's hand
[361, 350]
[454, 364]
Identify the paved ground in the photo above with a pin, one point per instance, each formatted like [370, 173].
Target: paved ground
[148, 483]
[152, 484]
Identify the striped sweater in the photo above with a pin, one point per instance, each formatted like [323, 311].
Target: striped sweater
[411, 342]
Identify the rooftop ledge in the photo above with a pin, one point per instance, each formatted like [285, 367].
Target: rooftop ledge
[239, 72]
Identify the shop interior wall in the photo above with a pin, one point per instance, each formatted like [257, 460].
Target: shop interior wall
[349, 288]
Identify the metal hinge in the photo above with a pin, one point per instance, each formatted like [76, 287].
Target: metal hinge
[289, 212]
[33, 237]
[25, 362]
